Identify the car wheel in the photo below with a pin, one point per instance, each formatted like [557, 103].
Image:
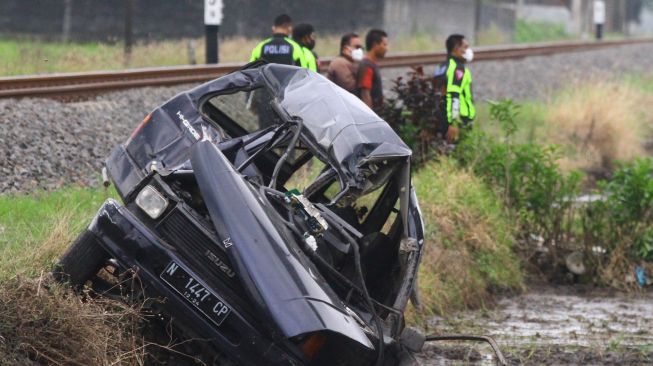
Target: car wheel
[81, 261]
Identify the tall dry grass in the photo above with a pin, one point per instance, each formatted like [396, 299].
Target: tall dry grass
[469, 235]
[600, 122]
[43, 323]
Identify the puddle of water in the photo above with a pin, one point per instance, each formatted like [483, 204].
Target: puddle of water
[558, 318]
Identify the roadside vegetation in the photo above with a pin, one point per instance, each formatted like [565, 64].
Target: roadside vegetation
[529, 32]
[40, 320]
[468, 244]
[572, 175]
[27, 55]
[31, 56]
[498, 208]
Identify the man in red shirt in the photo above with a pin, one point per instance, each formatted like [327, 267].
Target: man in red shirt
[370, 86]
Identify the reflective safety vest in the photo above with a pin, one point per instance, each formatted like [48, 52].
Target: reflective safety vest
[279, 49]
[311, 61]
[459, 99]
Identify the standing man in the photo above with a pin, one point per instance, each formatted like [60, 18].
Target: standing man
[304, 35]
[342, 70]
[370, 86]
[454, 81]
[279, 48]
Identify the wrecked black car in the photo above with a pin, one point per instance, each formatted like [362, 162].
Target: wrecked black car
[271, 215]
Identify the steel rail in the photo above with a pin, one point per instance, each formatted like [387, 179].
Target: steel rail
[83, 83]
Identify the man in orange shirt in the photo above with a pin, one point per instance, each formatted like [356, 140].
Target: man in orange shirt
[370, 85]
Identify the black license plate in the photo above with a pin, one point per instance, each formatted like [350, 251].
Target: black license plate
[192, 290]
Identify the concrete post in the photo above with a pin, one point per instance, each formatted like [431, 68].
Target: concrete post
[577, 16]
[67, 20]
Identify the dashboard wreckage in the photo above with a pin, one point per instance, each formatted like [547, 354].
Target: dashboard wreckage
[269, 217]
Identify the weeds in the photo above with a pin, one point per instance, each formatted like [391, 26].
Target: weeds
[621, 223]
[43, 322]
[527, 176]
[598, 124]
[468, 240]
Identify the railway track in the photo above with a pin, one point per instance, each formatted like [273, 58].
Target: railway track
[93, 83]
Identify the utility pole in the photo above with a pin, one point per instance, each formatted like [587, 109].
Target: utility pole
[599, 18]
[577, 17]
[520, 8]
[67, 19]
[129, 31]
[477, 20]
[624, 16]
[212, 20]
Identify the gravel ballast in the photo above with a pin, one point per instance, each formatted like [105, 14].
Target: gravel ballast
[48, 144]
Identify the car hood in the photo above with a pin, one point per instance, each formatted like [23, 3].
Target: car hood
[282, 285]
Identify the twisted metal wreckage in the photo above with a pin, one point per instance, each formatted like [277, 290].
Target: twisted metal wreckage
[246, 268]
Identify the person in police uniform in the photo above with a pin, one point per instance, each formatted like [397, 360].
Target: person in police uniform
[304, 35]
[280, 48]
[454, 81]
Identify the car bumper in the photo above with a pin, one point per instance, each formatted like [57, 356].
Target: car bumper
[134, 246]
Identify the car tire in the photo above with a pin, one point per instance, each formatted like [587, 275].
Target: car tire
[81, 261]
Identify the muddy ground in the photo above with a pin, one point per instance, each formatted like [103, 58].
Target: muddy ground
[553, 326]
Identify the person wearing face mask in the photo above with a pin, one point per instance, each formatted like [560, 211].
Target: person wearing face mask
[453, 81]
[279, 48]
[342, 70]
[304, 35]
[370, 87]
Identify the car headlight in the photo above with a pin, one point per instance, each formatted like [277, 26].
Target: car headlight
[151, 201]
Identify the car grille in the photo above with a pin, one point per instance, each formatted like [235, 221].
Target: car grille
[198, 248]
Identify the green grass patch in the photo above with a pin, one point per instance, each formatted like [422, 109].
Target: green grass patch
[34, 229]
[469, 236]
[30, 56]
[529, 32]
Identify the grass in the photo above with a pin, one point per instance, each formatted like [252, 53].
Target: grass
[34, 229]
[596, 123]
[600, 123]
[39, 319]
[469, 236]
[29, 56]
[25, 55]
[529, 32]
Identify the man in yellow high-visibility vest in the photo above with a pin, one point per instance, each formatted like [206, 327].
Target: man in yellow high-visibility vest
[454, 81]
[304, 35]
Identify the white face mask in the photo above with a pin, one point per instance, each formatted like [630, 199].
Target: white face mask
[468, 55]
[357, 54]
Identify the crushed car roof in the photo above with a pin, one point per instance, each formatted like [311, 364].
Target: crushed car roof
[337, 121]
[344, 130]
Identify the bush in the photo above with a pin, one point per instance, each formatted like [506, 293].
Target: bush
[621, 224]
[413, 113]
[527, 176]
